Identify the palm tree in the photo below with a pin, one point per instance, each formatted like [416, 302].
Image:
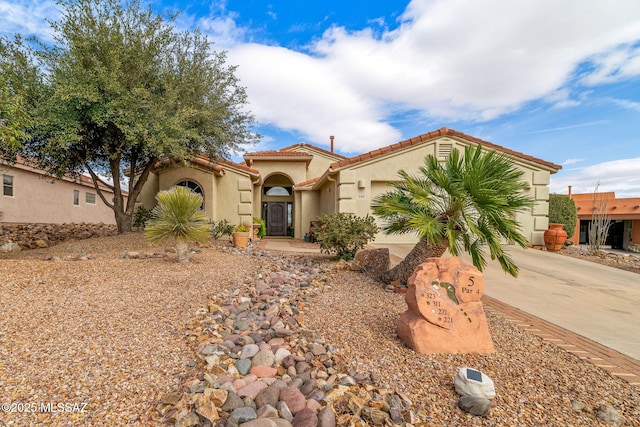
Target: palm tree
[177, 217]
[466, 204]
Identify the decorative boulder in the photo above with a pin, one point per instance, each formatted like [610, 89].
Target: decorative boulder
[373, 262]
[445, 314]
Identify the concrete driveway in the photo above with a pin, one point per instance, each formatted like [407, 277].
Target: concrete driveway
[598, 302]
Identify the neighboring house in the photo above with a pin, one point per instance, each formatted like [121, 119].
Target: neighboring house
[624, 214]
[290, 187]
[29, 196]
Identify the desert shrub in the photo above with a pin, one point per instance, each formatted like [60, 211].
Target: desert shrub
[562, 210]
[220, 228]
[343, 234]
[141, 216]
[178, 217]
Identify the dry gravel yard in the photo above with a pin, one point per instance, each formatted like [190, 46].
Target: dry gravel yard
[109, 332]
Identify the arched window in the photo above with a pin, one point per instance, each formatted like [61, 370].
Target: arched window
[277, 191]
[193, 186]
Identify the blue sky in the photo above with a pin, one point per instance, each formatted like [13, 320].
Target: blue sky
[555, 79]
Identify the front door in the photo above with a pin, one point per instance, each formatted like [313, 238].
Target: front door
[277, 219]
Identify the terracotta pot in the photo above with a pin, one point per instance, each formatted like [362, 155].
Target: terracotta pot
[240, 239]
[555, 237]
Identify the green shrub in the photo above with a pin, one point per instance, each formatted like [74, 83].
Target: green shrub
[220, 228]
[141, 216]
[263, 226]
[343, 234]
[562, 210]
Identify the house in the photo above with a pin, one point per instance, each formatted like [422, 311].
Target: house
[624, 213]
[292, 186]
[30, 196]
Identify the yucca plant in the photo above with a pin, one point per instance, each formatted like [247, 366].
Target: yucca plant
[468, 203]
[178, 218]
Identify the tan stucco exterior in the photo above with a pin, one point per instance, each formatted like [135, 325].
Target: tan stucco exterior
[320, 182]
[40, 199]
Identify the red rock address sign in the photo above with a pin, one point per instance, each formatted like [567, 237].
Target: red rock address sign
[445, 314]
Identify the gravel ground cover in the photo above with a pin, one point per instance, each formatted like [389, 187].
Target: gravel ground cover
[106, 332]
[537, 383]
[110, 332]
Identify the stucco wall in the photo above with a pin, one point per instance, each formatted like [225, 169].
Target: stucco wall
[229, 196]
[308, 209]
[320, 162]
[296, 171]
[39, 200]
[362, 182]
[147, 196]
[172, 175]
[235, 197]
[328, 198]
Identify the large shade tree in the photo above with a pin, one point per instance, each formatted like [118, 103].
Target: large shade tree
[13, 115]
[119, 89]
[468, 203]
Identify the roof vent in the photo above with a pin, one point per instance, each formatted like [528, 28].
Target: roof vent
[444, 150]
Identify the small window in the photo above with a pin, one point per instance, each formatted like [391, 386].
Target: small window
[7, 185]
[76, 197]
[90, 198]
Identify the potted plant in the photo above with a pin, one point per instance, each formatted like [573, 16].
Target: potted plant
[259, 228]
[241, 235]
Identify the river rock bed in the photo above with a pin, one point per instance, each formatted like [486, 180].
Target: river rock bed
[262, 367]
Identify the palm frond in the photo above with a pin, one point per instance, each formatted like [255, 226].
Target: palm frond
[471, 200]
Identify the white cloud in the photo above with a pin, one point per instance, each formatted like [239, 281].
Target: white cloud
[572, 161]
[301, 93]
[620, 63]
[621, 176]
[449, 60]
[631, 105]
[28, 17]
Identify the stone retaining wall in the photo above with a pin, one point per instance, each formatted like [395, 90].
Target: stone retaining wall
[30, 236]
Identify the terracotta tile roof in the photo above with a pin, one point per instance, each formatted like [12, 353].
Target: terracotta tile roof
[307, 182]
[313, 147]
[213, 165]
[80, 179]
[431, 136]
[240, 166]
[278, 153]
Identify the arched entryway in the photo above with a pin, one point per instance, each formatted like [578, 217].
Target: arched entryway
[277, 205]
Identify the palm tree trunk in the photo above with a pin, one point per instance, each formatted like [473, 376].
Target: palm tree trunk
[421, 251]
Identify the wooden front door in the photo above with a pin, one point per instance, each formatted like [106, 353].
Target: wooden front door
[277, 219]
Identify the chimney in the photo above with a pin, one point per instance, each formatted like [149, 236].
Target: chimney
[332, 138]
[570, 191]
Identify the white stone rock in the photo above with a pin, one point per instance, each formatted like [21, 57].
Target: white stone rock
[480, 385]
[10, 247]
[281, 353]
